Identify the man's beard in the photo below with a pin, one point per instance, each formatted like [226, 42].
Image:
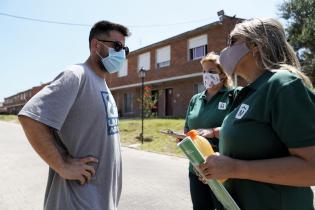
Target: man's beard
[101, 66]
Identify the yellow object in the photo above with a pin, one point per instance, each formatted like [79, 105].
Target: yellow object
[202, 143]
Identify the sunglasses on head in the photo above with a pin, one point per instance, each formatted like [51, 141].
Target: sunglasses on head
[117, 46]
[231, 41]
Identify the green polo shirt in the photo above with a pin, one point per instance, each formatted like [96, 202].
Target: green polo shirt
[274, 113]
[208, 114]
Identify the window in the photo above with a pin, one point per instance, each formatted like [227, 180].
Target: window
[197, 52]
[199, 88]
[124, 70]
[144, 61]
[128, 102]
[163, 64]
[198, 47]
[163, 57]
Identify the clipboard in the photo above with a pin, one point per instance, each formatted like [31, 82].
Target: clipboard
[196, 158]
[174, 134]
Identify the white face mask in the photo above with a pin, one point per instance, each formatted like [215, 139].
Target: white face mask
[210, 80]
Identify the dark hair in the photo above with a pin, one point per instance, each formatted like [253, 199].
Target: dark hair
[105, 27]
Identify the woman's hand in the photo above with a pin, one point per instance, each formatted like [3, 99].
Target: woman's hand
[200, 178]
[218, 167]
[178, 140]
[207, 133]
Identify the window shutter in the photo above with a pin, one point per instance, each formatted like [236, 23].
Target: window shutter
[198, 41]
[163, 54]
[144, 61]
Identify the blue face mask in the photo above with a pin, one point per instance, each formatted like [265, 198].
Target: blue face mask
[114, 61]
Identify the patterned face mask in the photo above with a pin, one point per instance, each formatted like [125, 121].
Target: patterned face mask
[210, 80]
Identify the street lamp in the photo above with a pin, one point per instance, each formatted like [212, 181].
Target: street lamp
[142, 75]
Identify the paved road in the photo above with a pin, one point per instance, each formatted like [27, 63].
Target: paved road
[151, 181]
[154, 182]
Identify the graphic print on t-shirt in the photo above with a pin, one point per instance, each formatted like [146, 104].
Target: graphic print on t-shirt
[112, 113]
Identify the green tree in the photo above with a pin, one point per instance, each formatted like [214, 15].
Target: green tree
[300, 16]
[149, 102]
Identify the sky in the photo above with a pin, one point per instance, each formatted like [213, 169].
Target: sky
[34, 52]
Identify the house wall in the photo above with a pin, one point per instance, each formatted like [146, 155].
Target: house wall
[180, 66]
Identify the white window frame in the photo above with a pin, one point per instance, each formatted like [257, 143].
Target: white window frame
[144, 61]
[166, 61]
[197, 43]
[194, 52]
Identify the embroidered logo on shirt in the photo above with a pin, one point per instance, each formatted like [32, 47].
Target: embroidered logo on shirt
[222, 106]
[241, 111]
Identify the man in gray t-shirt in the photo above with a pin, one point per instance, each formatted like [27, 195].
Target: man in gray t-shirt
[73, 125]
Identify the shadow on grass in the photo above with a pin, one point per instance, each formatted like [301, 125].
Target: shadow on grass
[145, 139]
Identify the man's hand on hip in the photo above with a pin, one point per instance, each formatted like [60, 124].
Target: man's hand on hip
[78, 169]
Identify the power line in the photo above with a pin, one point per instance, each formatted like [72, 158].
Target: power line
[42, 20]
[87, 25]
[171, 24]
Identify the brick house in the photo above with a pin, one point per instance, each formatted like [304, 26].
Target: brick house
[14, 104]
[3, 110]
[173, 70]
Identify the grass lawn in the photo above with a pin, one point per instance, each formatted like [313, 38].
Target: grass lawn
[9, 118]
[130, 130]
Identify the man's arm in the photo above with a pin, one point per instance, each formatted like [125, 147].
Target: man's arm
[42, 140]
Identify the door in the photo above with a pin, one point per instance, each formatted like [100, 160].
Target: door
[155, 97]
[169, 102]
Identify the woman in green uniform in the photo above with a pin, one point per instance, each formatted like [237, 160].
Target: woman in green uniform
[267, 141]
[205, 113]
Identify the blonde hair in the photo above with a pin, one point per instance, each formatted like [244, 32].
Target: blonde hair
[214, 58]
[274, 50]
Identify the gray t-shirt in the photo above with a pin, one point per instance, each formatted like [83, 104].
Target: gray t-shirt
[80, 106]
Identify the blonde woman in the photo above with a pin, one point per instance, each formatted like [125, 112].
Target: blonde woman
[267, 141]
[205, 113]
